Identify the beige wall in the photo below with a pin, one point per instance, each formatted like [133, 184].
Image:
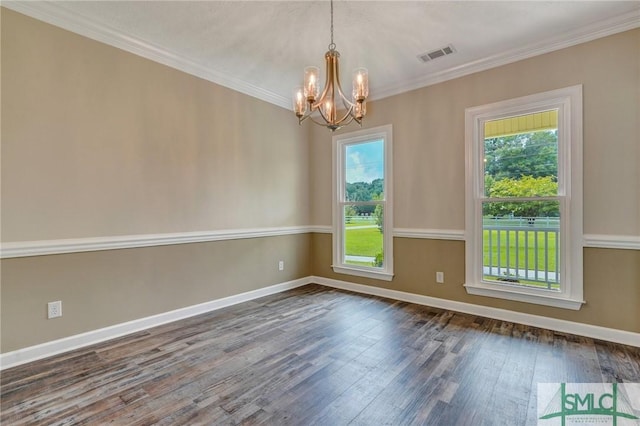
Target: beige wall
[610, 286]
[428, 136]
[103, 288]
[429, 171]
[99, 142]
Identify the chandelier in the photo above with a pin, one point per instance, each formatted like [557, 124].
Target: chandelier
[323, 110]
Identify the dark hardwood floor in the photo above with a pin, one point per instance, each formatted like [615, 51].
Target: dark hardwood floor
[313, 355]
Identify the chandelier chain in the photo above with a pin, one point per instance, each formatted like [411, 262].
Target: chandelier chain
[332, 46]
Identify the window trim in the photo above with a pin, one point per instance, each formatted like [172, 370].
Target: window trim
[338, 142]
[568, 101]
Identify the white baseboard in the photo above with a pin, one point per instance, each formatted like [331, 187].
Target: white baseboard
[55, 347]
[580, 329]
[44, 350]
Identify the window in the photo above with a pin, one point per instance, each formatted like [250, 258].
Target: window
[524, 199]
[362, 209]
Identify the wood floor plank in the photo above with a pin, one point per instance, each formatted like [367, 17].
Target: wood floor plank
[312, 356]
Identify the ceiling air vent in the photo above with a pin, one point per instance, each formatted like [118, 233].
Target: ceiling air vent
[435, 54]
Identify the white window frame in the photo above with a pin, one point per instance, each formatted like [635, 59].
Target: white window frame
[568, 101]
[339, 143]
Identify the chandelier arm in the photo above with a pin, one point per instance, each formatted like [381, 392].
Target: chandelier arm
[323, 95]
[347, 104]
[336, 125]
[320, 123]
[340, 122]
[323, 117]
[345, 100]
[315, 106]
[344, 121]
[331, 63]
[347, 114]
[303, 117]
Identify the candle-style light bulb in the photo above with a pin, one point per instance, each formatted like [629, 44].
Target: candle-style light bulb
[328, 110]
[311, 87]
[299, 102]
[360, 84]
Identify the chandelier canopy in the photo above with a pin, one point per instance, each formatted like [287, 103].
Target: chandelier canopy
[323, 110]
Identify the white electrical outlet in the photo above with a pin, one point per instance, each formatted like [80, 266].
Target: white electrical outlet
[281, 265]
[440, 277]
[54, 309]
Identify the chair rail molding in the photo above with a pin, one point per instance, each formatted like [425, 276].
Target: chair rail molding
[14, 249]
[45, 247]
[627, 242]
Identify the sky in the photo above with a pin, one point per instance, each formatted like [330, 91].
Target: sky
[365, 161]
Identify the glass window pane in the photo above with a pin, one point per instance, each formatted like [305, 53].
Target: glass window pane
[521, 243]
[521, 156]
[363, 238]
[364, 171]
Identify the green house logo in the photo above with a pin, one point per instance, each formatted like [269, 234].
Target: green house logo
[588, 404]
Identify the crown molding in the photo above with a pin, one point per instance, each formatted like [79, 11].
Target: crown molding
[606, 27]
[54, 14]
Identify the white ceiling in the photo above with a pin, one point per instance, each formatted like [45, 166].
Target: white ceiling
[261, 47]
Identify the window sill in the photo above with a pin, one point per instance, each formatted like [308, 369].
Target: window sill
[367, 273]
[505, 292]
